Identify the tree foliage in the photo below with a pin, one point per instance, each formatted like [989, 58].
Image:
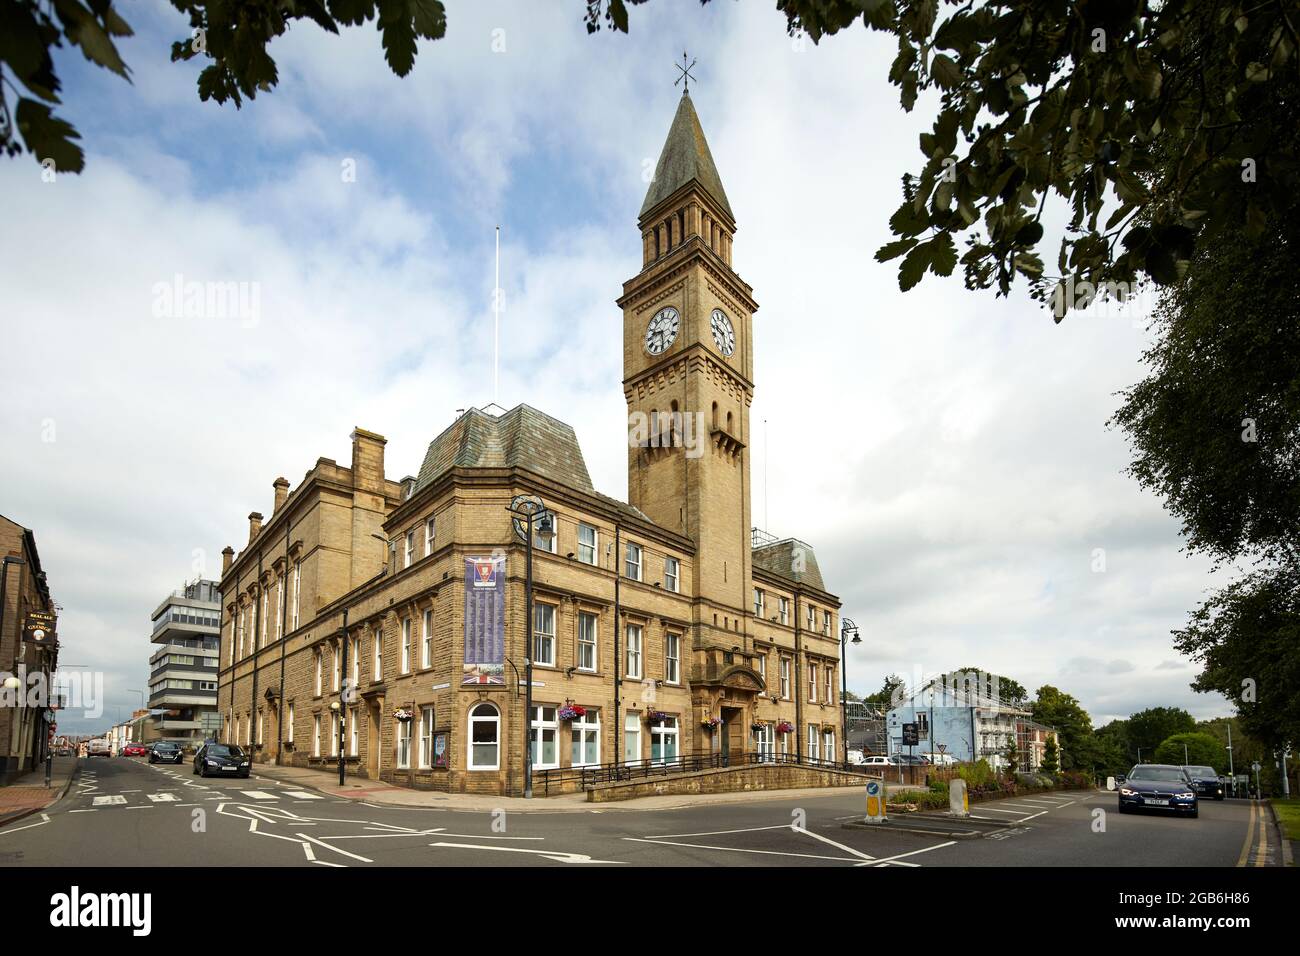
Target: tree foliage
[1202, 750]
[885, 696]
[1086, 101]
[230, 37]
[1007, 689]
[1051, 757]
[1147, 728]
[1055, 708]
[1247, 639]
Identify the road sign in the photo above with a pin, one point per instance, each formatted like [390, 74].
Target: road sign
[876, 801]
[911, 737]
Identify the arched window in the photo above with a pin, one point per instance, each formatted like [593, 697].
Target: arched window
[484, 738]
[715, 416]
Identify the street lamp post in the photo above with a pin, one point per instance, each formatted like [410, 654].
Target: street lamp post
[527, 510]
[847, 627]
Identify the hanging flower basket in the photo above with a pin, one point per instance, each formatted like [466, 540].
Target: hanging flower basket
[572, 712]
[758, 728]
[711, 723]
[785, 727]
[652, 715]
[403, 714]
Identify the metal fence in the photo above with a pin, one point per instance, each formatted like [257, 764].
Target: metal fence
[596, 774]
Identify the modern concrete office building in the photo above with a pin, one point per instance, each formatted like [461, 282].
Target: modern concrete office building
[183, 668]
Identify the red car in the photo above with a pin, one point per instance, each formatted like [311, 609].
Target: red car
[134, 750]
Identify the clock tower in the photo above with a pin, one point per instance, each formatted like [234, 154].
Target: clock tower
[688, 365]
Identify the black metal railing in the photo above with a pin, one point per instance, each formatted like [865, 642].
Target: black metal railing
[595, 774]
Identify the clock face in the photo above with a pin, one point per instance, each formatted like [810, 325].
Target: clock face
[661, 331]
[723, 333]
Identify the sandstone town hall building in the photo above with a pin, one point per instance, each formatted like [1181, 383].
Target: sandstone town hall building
[664, 627]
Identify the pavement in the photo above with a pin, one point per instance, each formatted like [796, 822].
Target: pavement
[125, 812]
[28, 794]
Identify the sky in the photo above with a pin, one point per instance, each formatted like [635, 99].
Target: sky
[945, 452]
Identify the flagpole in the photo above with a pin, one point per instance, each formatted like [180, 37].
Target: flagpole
[496, 326]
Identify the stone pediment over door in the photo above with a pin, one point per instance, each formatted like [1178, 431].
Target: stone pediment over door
[739, 679]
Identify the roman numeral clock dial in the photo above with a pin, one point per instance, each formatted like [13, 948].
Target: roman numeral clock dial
[662, 331]
[723, 333]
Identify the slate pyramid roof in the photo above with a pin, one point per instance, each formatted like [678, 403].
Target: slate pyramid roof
[520, 438]
[791, 559]
[685, 157]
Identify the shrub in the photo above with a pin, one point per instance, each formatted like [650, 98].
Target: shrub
[977, 775]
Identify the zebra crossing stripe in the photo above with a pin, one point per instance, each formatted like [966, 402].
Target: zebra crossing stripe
[162, 797]
[302, 795]
[108, 801]
[259, 795]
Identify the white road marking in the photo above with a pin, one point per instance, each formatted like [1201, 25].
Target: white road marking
[669, 836]
[334, 848]
[1000, 810]
[838, 846]
[735, 849]
[259, 795]
[108, 801]
[45, 818]
[899, 856]
[162, 797]
[303, 795]
[558, 856]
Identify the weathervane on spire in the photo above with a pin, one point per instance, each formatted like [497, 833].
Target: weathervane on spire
[685, 74]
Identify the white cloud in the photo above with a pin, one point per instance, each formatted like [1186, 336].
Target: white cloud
[944, 451]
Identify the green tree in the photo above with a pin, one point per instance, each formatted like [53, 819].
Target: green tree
[1051, 758]
[1147, 728]
[1011, 754]
[1202, 750]
[230, 38]
[1115, 755]
[1008, 690]
[885, 696]
[1166, 118]
[1057, 709]
[1247, 639]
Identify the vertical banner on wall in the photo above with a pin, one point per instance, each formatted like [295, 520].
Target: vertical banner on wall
[485, 621]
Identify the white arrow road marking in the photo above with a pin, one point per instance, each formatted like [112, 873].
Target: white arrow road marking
[558, 856]
[108, 801]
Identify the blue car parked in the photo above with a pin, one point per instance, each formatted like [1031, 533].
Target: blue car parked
[1158, 786]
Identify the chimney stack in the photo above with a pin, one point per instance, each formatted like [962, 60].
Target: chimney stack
[227, 557]
[368, 461]
[254, 525]
[281, 486]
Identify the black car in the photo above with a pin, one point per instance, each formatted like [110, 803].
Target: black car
[221, 760]
[164, 751]
[1205, 781]
[1158, 786]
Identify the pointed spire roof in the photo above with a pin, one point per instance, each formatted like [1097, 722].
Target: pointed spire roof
[685, 156]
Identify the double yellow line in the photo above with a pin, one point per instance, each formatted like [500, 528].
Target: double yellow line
[1261, 856]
